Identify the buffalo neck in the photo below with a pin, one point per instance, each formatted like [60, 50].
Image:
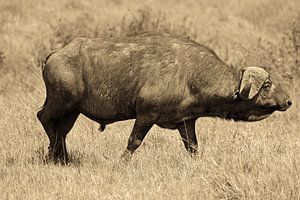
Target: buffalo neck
[216, 90]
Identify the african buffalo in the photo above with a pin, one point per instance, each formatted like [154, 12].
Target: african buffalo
[153, 78]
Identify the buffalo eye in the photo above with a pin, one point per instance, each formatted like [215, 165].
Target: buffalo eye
[267, 85]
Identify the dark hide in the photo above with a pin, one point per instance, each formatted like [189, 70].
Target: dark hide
[154, 78]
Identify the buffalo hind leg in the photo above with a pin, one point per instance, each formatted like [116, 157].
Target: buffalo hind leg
[57, 125]
[59, 151]
[47, 122]
[188, 136]
[140, 129]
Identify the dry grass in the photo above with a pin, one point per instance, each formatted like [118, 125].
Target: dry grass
[237, 160]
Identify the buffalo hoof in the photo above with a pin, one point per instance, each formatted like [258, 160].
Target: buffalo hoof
[126, 157]
[193, 154]
[58, 157]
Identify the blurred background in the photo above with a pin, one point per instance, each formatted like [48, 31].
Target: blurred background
[242, 32]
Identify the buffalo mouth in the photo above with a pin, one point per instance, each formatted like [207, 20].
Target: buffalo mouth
[253, 115]
[253, 118]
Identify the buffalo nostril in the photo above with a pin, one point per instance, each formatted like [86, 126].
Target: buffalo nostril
[288, 102]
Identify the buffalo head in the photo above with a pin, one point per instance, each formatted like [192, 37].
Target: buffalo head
[257, 97]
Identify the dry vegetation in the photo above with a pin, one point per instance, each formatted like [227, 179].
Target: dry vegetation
[237, 160]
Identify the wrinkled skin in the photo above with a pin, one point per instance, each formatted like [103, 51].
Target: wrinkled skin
[153, 78]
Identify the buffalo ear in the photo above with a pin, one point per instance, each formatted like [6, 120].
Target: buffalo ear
[252, 80]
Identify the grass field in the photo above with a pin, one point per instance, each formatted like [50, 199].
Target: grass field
[258, 160]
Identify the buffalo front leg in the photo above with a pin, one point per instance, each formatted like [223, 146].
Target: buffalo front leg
[188, 136]
[141, 127]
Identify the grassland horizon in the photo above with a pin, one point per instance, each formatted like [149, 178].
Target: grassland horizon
[259, 160]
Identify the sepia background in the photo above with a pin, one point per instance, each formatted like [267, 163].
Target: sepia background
[259, 160]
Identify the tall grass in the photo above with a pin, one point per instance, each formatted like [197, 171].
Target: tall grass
[236, 161]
